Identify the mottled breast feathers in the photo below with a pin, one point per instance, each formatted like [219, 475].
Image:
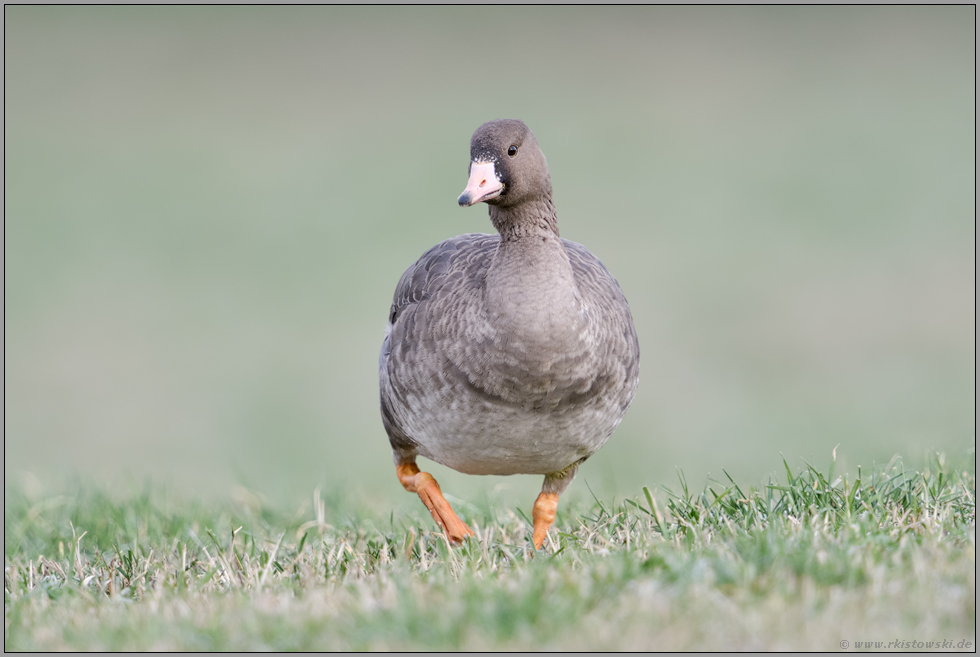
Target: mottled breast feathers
[442, 340]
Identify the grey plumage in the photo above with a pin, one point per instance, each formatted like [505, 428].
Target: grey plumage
[509, 353]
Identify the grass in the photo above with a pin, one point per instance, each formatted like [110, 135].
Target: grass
[807, 561]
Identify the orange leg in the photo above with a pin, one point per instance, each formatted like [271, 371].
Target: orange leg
[545, 508]
[428, 491]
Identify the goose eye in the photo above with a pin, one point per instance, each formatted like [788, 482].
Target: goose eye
[512, 151]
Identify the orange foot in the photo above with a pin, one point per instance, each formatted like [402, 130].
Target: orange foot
[428, 490]
[545, 508]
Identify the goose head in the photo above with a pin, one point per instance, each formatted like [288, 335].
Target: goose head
[507, 167]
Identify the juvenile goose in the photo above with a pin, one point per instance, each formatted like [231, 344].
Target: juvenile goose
[505, 354]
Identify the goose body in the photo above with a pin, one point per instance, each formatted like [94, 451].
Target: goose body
[512, 353]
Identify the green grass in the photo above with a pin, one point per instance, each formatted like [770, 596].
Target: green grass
[806, 561]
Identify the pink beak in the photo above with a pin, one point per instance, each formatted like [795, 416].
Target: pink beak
[482, 186]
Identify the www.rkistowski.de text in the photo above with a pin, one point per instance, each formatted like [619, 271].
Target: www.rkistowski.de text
[910, 644]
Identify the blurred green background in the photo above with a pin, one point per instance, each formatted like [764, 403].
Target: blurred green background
[207, 210]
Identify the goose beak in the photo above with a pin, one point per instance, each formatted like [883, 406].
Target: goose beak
[482, 186]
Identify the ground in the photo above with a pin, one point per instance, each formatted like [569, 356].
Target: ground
[816, 561]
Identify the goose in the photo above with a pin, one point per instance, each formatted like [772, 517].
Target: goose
[512, 353]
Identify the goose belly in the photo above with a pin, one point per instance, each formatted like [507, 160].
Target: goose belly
[483, 438]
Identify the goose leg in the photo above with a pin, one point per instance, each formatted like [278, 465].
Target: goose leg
[429, 492]
[546, 506]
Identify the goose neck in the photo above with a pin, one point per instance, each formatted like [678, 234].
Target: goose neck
[530, 219]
